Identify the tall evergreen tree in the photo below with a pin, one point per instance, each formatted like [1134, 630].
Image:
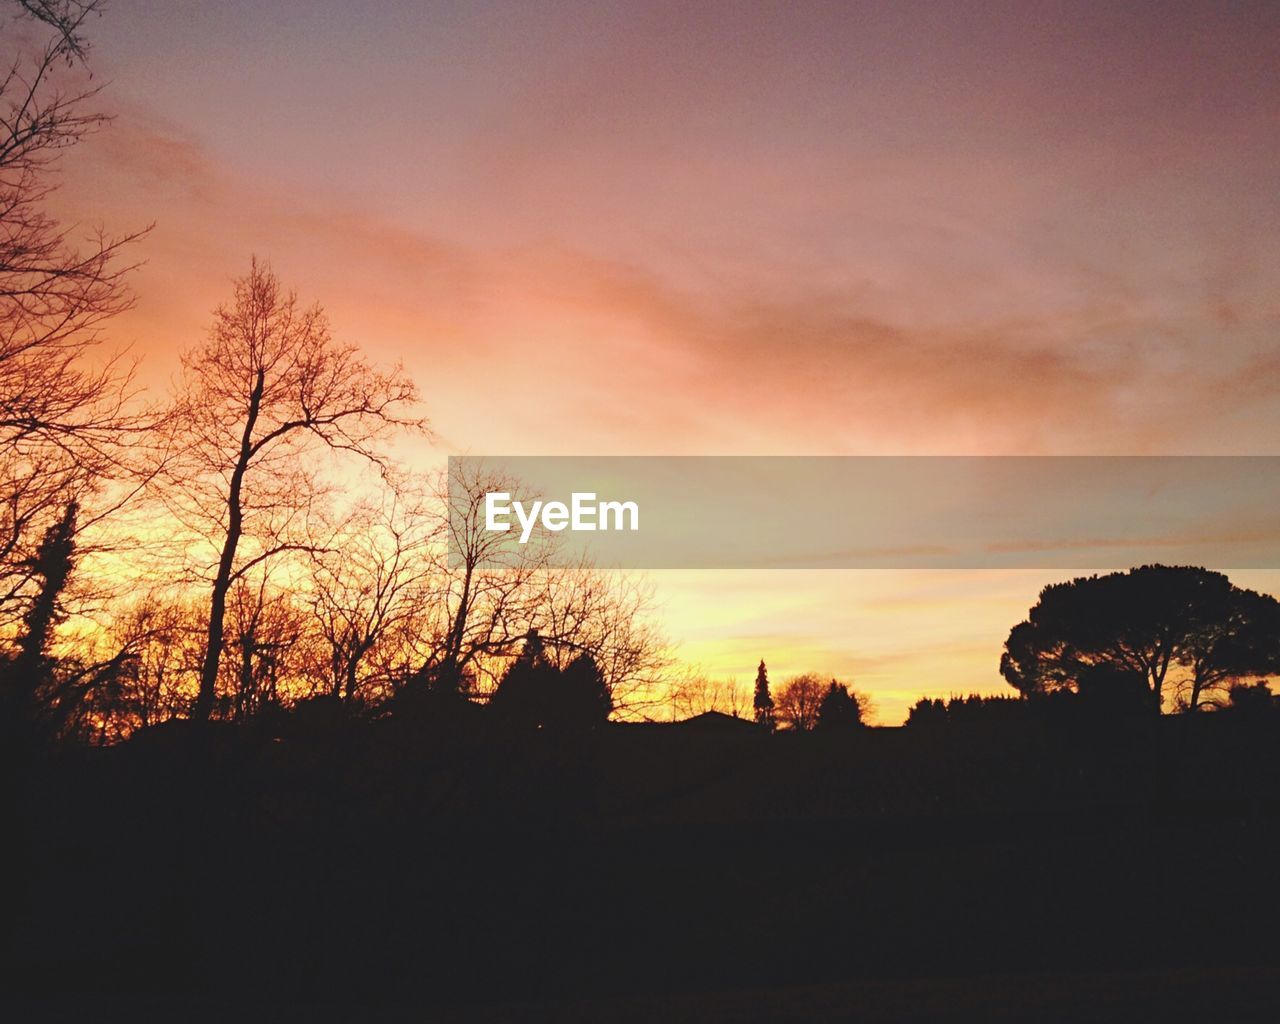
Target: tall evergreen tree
[763, 700]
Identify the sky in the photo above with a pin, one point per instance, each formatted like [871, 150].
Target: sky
[735, 228]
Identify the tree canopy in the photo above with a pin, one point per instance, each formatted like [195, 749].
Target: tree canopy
[839, 709]
[1160, 624]
[534, 693]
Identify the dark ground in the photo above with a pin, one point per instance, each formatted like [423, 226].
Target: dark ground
[440, 869]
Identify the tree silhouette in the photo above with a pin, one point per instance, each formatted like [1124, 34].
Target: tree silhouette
[163, 637]
[695, 693]
[1113, 690]
[265, 394]
[491, 588]
[973, 709]
[368, 585]
[493, 592]
[50, 567]
[533, 693]
[522, 692]
[1144, 623]
[838, 710]
[927, 713]
[586, 701]
[64, 428]
[43, 691]
[66, 17]
[606, 615]
[762, 701]
[798, 702]
[1252, 698]
[268, 634]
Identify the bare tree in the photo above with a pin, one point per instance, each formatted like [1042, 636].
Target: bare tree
[695, 694]
[162, 637]
[270, 635]
[67, 18]
[367, 584]
[264, 402]
[798, 702]
[609, 616]
[493, 591]
[63, 419]
[488, 588]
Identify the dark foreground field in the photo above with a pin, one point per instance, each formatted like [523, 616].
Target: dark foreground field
[438, 868]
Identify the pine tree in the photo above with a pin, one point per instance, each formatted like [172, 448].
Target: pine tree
[763, 700]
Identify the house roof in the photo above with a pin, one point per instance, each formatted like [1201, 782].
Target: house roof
[716, 720]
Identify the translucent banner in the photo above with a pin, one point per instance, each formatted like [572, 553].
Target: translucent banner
[866, 512]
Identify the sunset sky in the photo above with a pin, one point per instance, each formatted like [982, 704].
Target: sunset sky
[736, 228]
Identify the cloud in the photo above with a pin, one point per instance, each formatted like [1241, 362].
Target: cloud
[606, 351]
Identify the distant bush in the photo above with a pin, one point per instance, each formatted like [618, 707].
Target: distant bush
[1252, 698]
[927, 712]
[1105, 695]
[973, 708]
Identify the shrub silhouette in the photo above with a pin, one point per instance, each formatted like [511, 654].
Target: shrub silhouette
[927, 713]
[971, 710]
[1252, 698]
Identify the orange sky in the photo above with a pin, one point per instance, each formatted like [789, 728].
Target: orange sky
[736, 228]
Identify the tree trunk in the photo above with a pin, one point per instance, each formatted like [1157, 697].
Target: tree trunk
[349, 689]
[222, 581]
[447, 680]
[1157, 685]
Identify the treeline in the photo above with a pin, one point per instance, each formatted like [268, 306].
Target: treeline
[802, 703]
[1122, 646]
[246, 541]
[1243, 699]
[268, 550]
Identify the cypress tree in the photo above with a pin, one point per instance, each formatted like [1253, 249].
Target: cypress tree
[763, 700]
